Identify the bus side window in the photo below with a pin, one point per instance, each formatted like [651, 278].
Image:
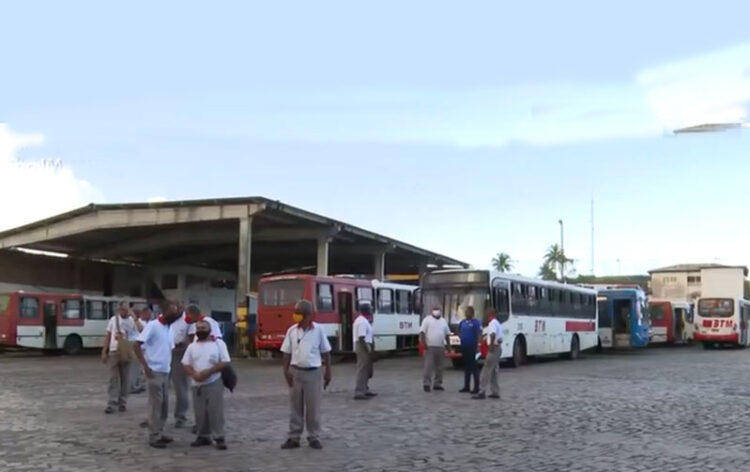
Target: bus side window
[385, 301]
[364, 297]
[29, 307]
[325, 297]
[502, 308]
[403, 302]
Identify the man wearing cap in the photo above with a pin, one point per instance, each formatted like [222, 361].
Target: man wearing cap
[306, 349]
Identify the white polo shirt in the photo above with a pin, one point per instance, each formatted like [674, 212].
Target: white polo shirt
[127, 329]
[157, 344]
[306, 347]
[435, 330]
[362, 327]
[495, 327]
[180, 331]
[202, 355]
[215, 328]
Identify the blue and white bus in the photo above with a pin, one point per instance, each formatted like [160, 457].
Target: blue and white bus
[623, 318]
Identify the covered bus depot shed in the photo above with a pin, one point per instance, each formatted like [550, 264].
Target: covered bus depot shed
[248, 237]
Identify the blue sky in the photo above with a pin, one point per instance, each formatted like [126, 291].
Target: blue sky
[465, 128]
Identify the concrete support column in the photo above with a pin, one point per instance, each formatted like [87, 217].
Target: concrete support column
[322, 264]
[379, 263]
[244, 259]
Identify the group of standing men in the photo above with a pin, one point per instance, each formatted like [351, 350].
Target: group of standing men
[184, 347]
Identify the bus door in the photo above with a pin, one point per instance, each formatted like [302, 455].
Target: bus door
[50, 325]
[346, 315]
[623, 317]
[679, 329]
[606, 335]
[639, 323]
[743, 325]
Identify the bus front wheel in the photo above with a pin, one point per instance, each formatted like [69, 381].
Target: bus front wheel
[519, 352]
[575, 348]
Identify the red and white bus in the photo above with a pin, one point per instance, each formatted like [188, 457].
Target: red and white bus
[671, 321]
[336, 301]
[57, 321]
[539, 317]
[722, 321]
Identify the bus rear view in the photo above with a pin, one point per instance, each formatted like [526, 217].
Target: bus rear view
[722, 321]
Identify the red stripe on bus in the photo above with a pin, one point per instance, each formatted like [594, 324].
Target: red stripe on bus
[717, 338]
[580, 326]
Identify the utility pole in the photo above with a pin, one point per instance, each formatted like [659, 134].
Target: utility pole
[562, 251]
[592, 237]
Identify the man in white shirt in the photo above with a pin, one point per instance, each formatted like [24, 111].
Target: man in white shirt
[363, 347]
[180, 379]
[137, 378]
[204, 360]
[433, 334]
[306, 349]
[493, 335]
[120, 327]
[154, 352]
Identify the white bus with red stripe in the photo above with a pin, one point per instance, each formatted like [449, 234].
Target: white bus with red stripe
[722, 321]
[539, 317]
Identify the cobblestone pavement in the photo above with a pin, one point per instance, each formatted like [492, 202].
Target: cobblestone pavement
[663, 409]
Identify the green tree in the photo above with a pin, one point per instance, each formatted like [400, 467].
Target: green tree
[547, 272]
[502, 262]
[555, 259]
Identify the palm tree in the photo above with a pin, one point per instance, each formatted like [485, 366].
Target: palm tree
[502, 262]
[547, 272]
[555, 258]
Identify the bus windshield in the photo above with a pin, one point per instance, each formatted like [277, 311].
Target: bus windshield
[453, 303]
[282, 292]
[716, 307]
[657, 311]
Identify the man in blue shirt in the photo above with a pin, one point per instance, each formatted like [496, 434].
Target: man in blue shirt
[470, 332]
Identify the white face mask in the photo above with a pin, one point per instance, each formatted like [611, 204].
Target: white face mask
[436, 313]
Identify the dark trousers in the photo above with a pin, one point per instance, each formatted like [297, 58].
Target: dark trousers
[471, 368]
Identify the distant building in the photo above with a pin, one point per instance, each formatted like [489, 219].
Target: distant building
[690, 281]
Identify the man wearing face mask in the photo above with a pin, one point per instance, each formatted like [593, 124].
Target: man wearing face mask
[203, 361]
[153, 349]
[434, 335]
[306, 349]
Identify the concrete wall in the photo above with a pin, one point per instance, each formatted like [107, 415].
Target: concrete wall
[672, 285]
[728, 283]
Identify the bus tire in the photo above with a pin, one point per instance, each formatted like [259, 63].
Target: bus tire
[519, 352]
[457, 362]
[599, 346]
[575, 348]
[73, 345]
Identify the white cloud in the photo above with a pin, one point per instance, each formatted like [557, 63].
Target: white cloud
[156, 200]
[32, 190]
[711, 88]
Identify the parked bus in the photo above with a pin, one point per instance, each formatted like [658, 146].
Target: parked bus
[623, 318]
[539, 317]
[336, 301]
[57, 321]
[722, 321]
[671, 321]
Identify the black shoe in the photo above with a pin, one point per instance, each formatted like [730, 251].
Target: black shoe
[427, 388]
[438, 388]
[495, 397]
[464, 390]
[200, 442]
[479, 396]
[122, 409]
[166, 440]
[361, 397]
[475, 391]
[158, 445]
[290, 444]
[371, 394]
[143, 424]
[109, 410]
[221, 444]
[315, 444]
